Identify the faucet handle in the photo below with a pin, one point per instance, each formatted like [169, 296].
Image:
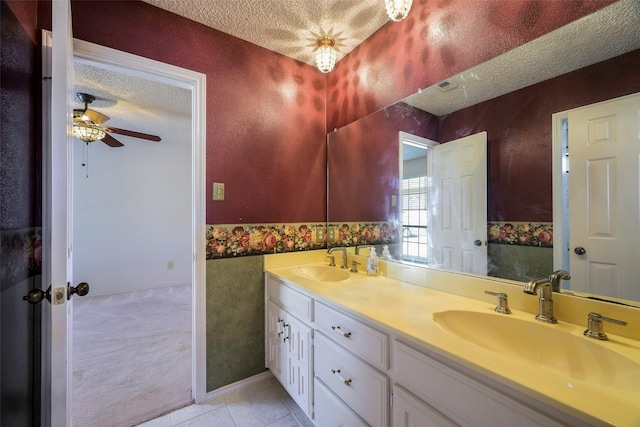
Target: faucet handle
[354, 266]
[332, 260]
[503, 302]
[595, 328]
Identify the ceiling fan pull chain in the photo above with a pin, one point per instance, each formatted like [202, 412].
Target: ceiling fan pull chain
[85, 159]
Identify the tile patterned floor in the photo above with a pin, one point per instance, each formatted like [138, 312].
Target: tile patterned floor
[263, 404]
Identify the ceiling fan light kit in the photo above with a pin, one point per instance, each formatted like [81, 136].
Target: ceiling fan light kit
[86, 125]
[87, 132]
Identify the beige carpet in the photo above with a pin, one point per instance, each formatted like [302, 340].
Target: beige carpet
[131, 356]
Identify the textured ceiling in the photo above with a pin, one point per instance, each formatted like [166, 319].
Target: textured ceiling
[289, 27]
[136, 104]
[605, 34]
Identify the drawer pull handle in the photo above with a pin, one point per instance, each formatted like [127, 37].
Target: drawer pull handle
[345, 334]
[336, 372]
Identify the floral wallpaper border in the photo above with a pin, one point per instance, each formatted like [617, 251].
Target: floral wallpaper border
[363, 233]
[521, 233]
[233, 240]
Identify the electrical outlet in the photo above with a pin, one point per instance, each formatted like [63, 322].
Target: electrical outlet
[319, 234]
[218, 191]
[169, 265]
[331, 233]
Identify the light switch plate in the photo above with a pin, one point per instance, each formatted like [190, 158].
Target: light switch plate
[218, 191]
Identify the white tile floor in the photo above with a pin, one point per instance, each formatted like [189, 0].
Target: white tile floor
[263, 404]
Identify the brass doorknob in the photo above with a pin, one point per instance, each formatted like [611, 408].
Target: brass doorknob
[81, 290]
[36, 296]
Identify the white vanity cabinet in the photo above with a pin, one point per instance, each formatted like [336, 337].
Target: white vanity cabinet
[288, 341]
[362, 373]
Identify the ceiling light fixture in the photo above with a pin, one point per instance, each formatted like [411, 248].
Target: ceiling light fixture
[87, 132]
[397, 9]
[326, 54]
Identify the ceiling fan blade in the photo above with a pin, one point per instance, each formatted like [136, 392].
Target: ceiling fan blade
[111, 141]
[132, 133]
[95, 117]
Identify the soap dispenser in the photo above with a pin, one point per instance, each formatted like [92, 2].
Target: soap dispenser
[385, 253]
[372, 262]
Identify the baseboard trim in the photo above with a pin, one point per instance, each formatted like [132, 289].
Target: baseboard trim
[141, 288]
[238, 385]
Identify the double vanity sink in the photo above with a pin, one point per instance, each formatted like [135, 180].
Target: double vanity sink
[597, 382]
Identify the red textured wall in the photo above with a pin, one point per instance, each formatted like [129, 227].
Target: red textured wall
[519, 131]
[438, 39]
[266, 129]
[364, 162]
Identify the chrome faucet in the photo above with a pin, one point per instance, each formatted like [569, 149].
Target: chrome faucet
[556, 277]
[363, 247]
[344, 255]
[545, 313]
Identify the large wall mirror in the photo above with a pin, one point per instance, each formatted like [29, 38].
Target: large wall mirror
[523, 100]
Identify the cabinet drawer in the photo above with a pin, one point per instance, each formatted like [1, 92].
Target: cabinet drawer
[408, 411]
[331, 411]
[294, 302]
[458, 397]
[362, 388]
[362, 340]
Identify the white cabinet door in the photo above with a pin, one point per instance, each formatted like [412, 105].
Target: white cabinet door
[408, 411]
[288, 354]
[274, 340]
[299, 362]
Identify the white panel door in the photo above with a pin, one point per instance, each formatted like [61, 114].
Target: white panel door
[604, 152]
[57, 316]
[458, 205]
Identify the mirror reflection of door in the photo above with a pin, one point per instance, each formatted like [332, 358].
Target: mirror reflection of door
[458, 205]
[604, 192]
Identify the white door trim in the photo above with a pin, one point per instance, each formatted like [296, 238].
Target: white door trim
[149, 69]
[560, 245]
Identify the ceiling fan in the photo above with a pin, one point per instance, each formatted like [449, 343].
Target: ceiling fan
[87, 125]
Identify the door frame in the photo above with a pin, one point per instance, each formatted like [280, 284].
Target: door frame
[195, 82]
[559, 202]
[149, 69]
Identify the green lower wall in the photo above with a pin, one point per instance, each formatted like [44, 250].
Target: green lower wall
[521, 263]
[235, 320]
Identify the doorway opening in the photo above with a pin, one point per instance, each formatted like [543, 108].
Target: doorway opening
[144, 260]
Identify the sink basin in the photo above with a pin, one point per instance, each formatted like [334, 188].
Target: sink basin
[539, 345]
[321, 273]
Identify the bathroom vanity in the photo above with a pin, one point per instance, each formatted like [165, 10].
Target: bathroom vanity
[356, 350]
